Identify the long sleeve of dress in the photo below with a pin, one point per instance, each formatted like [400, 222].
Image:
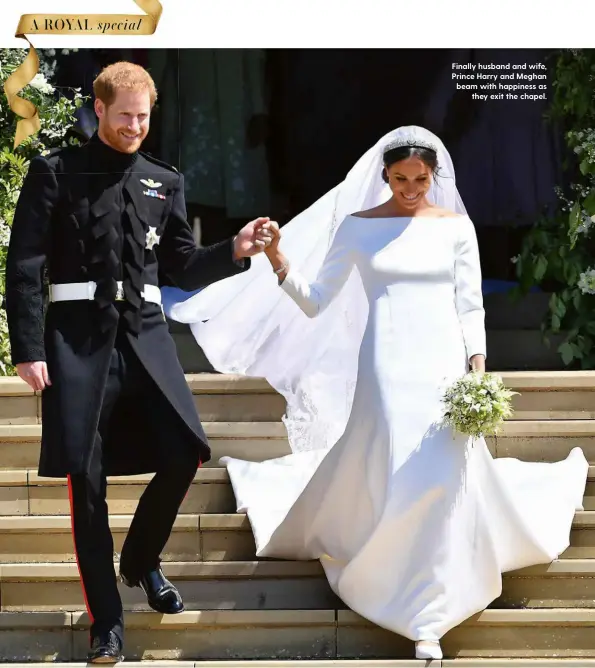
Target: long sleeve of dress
[468, 295]
[27, 252]
[314, 298]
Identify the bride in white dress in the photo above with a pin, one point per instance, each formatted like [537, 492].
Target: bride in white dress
[412, 523]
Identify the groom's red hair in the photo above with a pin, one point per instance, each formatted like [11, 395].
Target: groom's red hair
[123, 76]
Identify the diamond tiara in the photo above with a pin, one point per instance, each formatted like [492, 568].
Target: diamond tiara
[411, 142]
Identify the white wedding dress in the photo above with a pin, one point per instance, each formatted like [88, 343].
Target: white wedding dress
[413, 524]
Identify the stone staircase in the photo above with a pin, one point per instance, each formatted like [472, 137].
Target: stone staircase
[241, 609]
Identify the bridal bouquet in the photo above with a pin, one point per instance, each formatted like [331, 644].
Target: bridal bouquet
[477, 404]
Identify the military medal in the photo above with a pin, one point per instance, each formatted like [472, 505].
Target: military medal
[152, 188]
[153, 193]
[152, 238]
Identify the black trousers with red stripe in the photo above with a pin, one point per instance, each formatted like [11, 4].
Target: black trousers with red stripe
[157, 508]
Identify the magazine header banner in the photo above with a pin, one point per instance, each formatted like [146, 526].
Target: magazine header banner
[272, 24]
[93, 24]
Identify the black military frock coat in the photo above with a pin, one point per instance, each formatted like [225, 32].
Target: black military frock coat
[80, 208]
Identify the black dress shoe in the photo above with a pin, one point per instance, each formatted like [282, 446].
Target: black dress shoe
[162, 596]
[106, 648]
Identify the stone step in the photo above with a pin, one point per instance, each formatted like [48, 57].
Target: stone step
[553, 395]
[340, 663]
[295, 663]
[23, 492]
[228, 537]
[304, 634]
[217, 398]
[211, 492]
[19, 443]
[544, 395]
[565, 583]
[235, 398]
[41, 539]
[257, 585]
[532, 440]
[270, 584]
[18, 403]
[202, 537]
[220, 429]
[544, 440]
[503, 634]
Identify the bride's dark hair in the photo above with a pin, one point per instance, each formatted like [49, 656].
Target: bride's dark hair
[394, 155]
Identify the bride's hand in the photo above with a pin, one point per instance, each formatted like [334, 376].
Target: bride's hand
[478, 363]
[279, 262]
[274, 232]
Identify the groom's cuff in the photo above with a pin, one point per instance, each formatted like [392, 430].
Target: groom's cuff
[240, 262]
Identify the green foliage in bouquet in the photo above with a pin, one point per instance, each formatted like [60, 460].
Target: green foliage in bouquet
[477, 404]
[558, 252]
[57, 117]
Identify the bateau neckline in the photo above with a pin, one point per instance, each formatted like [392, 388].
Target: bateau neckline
[455, 217]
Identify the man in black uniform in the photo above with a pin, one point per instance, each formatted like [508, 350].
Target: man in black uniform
[109, 224]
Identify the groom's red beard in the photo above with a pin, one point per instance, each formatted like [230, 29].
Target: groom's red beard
[122, 139]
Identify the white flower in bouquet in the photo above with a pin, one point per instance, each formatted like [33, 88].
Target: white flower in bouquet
[477, 404]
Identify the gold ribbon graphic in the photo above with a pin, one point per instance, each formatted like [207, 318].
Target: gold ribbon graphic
[67, 24]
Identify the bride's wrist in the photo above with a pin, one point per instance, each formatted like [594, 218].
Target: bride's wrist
[279, 265]
[281, 268]
[276, 258]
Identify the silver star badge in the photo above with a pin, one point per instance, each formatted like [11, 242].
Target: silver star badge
[150, 183]
[152, 238]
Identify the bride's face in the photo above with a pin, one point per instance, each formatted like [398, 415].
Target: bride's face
[409, 181]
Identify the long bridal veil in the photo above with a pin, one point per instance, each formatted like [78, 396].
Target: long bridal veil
[247, 325]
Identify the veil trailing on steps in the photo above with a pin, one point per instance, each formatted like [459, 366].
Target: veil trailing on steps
[247, 325]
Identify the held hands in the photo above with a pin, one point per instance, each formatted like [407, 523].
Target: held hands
[262, 234]
[253, 238]
[279, 262]
[274, 233]
[35, 374]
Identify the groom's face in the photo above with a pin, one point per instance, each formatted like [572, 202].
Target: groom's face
[124, 123]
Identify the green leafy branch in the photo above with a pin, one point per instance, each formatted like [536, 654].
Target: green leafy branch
[558, 253]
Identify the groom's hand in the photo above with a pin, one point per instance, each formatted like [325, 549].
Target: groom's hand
[252, 238]
[35, 374]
